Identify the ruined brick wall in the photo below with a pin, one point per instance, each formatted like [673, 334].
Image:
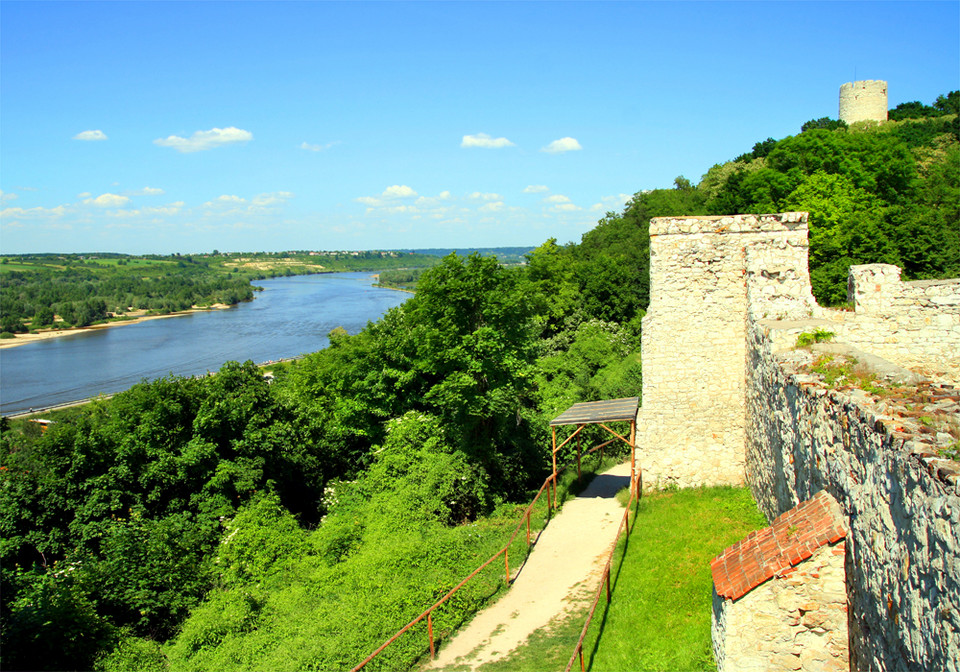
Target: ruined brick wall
[794, 621]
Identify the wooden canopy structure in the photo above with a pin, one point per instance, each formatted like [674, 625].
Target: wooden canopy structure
[598, 413]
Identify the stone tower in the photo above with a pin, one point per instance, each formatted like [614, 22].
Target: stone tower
[865, 100]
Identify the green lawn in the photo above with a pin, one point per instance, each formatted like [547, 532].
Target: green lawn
[659, 619]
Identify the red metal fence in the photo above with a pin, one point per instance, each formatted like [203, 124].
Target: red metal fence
[605, 579]
[505, 552]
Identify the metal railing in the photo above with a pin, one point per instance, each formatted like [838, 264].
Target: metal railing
[605, 579]
[505, 552]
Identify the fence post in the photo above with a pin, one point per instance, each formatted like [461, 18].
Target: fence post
[578, 458]
[430, 633]
[528, 526]
[506, 563]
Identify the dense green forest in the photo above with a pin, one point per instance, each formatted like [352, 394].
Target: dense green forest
[231, 523]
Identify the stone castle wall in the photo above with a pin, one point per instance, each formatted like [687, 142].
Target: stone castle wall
[864, 100]
[796, 620]
[725, 399]
[915, 325]
[901, 500]
[704, 272]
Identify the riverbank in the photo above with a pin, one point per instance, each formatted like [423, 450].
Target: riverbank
[133, 317]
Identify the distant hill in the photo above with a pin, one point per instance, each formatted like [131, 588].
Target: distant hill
[503, 254]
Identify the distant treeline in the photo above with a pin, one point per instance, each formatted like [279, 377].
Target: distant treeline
[505, 255]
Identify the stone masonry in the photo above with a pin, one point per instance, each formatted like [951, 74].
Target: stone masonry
[727, 398]
[915, 325]
[864, 100]
[900, 497]
[779, 600]
[704, 272]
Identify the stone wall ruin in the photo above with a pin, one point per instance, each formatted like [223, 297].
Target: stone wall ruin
[727, 398]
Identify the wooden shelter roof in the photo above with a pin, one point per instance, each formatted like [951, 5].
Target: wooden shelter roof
[595, 412]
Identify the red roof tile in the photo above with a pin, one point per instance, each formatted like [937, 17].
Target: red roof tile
[794, 536]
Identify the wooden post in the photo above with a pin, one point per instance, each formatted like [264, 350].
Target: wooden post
[578, 458]
[430, 633]
[554, 467]
[633, 456]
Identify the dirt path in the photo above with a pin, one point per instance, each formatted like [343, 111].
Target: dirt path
[563, 569]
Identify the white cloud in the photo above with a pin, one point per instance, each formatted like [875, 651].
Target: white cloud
[562, 145]
[492, 207]
[399, 191]
[4, 197]
[396, 209]
[485, 141]
[431, 201]
[316, 148]
[389, 194]
[90, 135]
[154, 211]
[263, 200]
[107, 201]
[202, 140]
[485, 197]
[536, 189]
[565, 207]
[32, 213]
[229, 198]
[169, 209]
[84, 194]
[147, 191]
[556, 198]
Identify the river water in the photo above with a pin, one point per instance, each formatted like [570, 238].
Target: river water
[292, 316]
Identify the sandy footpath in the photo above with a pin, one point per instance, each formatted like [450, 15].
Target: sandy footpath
[563, 571]
[23, 339]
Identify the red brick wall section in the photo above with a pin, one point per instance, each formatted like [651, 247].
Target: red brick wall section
[769, 552]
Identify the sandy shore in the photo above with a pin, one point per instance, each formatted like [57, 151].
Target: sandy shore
[138, 316]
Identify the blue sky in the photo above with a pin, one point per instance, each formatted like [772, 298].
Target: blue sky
[162, 127]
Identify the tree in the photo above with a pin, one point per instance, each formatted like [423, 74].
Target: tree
[948, 104]
[846, 227]
[823, 123]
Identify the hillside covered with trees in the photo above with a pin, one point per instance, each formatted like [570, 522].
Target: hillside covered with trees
[231, 523]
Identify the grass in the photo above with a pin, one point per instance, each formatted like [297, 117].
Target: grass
[808, 338]
[659, 619]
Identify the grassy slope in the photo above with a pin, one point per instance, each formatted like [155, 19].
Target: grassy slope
[659, 619]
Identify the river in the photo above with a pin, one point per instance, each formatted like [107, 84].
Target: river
[292, 316]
